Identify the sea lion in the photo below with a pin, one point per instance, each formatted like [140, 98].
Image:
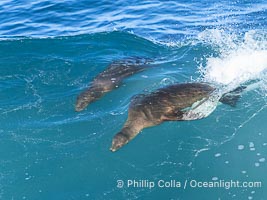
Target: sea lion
[110, 79]
[189, 101]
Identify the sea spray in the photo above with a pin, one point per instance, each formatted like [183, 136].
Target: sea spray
[241, 58]
[239, 66]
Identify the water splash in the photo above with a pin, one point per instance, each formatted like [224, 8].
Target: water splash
[241, 58]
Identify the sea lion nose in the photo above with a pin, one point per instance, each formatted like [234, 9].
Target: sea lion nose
[77, 109]
[112, 149]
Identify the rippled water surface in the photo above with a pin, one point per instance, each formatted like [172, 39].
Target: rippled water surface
[51, 50]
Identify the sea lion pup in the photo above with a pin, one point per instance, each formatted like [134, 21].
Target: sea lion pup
[110, 79]
[176, 102]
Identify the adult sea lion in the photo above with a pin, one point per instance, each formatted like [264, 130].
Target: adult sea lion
[110, 79]
[189, 101]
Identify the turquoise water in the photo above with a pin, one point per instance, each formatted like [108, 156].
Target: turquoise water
[49, 52]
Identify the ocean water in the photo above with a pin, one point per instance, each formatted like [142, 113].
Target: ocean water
[51, 50]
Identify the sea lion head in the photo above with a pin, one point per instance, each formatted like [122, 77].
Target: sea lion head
[118, 141]
[85, 98]
[88, 96]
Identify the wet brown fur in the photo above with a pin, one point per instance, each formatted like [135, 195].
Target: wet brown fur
[109, 80]
[165, 104]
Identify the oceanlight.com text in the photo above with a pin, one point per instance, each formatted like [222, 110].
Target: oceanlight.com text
[132, 183]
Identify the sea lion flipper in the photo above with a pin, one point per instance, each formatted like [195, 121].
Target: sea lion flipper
[231, 98]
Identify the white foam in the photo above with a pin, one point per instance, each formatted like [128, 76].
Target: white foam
[239, 66]
[251, 145]
[239, 59]
[241, 147]
[217, 155]
[202, 108]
